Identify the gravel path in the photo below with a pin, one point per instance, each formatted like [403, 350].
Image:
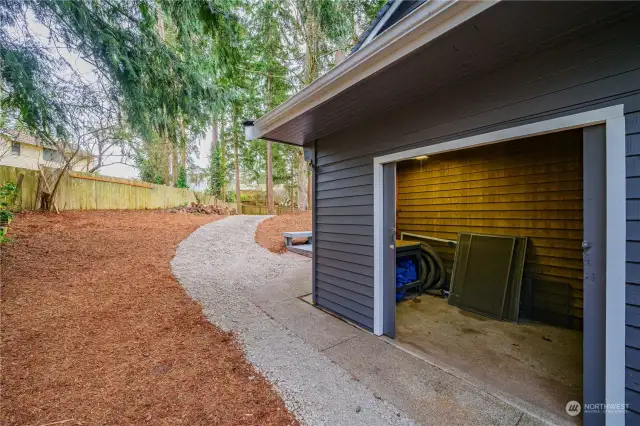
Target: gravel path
[218, 264]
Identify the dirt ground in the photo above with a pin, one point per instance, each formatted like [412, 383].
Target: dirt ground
[96, 330]
[269, 232]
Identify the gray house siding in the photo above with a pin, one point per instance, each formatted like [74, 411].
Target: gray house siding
[632, 115]
[595, 70]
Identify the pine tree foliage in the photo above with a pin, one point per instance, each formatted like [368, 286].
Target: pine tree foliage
[181, 181]
[215, 173]
[166, 83]
[287, 44]
[155, 82]
[167, 67]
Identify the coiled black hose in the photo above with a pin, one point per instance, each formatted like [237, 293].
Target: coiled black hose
[433, 275]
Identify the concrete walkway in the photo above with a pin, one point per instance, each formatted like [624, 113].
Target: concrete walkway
[327, 371]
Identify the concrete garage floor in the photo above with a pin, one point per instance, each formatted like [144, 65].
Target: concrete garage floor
[537, 363]
[429, 391]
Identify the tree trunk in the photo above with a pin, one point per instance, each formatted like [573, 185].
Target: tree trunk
[165, 149]
[270, 206]
[59, 174]
[165, 158]
[269, 155]
[223, 166]
[165, 143]
[160, 23]
[312, 52]
[312, 42]
[292, 183]
[174, 165]
[183, 145]
[236, 162]
[237, 166]
[291, 199]
[214, 133]
[214, 144]
[302, 182]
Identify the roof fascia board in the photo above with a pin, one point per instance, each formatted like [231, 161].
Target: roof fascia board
[416, 29]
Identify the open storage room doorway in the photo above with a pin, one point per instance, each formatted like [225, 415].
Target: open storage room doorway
[488, 263]
[508, 217]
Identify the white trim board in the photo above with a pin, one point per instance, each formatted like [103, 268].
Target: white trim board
[385, 18]
[613, 118]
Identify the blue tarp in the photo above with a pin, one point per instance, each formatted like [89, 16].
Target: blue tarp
[405, 273]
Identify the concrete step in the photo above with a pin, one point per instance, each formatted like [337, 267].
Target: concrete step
[303, 249]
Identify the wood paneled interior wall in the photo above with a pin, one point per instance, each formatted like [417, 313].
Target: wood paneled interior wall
[528, 187]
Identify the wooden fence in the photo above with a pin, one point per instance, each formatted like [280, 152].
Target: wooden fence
[262, 210]
[85, 191]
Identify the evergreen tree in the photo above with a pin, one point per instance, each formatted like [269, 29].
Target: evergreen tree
[275, 67]
[170, 66]
[157, 59]
[322, 27]
[271, 58]
[181, 181]
[216, 174]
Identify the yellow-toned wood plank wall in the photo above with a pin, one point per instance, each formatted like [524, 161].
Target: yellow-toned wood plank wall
[529, 187]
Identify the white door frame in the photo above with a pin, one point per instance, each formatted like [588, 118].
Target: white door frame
[613, 118]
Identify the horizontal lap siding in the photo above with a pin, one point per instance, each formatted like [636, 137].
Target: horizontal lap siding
[632, 121]
[529, 187]
[343, 240]
[595, 70]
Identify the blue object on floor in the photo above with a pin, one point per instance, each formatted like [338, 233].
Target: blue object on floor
[405, 273]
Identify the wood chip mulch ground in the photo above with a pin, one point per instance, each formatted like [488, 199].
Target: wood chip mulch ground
[269, 232]
[96, 330]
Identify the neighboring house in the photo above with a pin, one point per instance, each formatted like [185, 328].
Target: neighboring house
[21, 150]
[537, 107]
